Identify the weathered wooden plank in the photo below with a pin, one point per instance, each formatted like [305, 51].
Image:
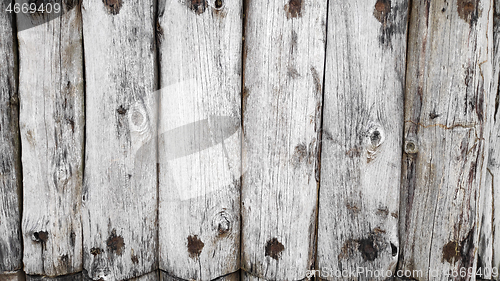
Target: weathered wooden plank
[282, 100]
[13, 276]
[489, 241]
[10, 160]
[361, 141]
[200, 137]
[120, 187]
[52, 130]
[446, 125]
[235, 276]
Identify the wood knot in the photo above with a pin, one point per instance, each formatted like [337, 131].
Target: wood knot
[410, 146]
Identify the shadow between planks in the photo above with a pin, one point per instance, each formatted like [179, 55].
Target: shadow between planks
[327, 134]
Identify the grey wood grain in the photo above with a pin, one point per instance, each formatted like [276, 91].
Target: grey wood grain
[10, 161]
[361, 145]
[489, 240]
[120, 186]
[52, 130]
[282, 99]
[200, 137]
[447, 110]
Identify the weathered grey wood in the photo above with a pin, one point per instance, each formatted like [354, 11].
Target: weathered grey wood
[235, 276]
[120, 187]
[52, 130]
[13, 276]
[446, 124]
[361, 141]
[489, 241]
[199, 137]
[282, 100]
[10, 161]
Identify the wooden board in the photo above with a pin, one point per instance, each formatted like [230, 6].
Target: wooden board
[52, 131]
[282, 100]
[361, 141]
[10, 158]
[447, 110]
[489, 240]
[120, 188]
[200, 137]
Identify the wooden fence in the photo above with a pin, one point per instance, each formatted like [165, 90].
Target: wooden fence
[249, 140]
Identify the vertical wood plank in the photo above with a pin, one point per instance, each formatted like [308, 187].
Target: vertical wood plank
[362, 136]
[489, 241]
[52, 124]
[282, 100]
[200, 137]
[120, 187]
[447, 110]
[10, 161]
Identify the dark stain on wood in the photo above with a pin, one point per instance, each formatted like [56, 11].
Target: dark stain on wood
[368, 249]
[96, 251]
[347, 249]
[195, 246]
[121, 110]
[392, 19]
[433, 115]
[115, 243]
[134, 259]
[395, 215]
[41, 236]
[274, 248]
[293, 9]
[72, 238]
[197, 6]
[378, 230]
[375, 137]
[382, 10]
[451, 252]
[113, 6]
[468, 10]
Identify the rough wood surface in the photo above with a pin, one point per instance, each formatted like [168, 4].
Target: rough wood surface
[52, 123]
[447, 110]
[361, 141]
[120, 187]
[13, 276]
[284, 60]
[200, 137]
[489, 240]
[10, 161]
